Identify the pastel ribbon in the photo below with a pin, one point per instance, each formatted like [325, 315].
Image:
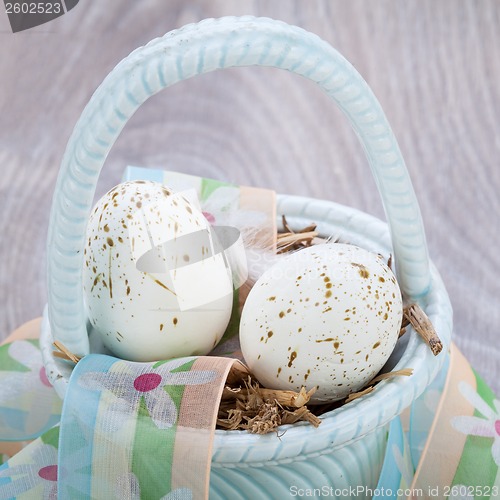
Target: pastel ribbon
[146, 429]
[452, 448]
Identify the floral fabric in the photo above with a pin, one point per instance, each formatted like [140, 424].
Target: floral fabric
[28, 404]
[453, 440]
[135, 429]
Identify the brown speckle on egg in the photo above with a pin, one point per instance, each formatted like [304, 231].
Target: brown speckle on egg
[354, 274]
[292, 358]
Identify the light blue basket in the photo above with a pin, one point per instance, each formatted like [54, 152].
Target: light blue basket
[348, 447]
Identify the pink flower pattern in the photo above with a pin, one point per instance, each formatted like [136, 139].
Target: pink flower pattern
[42, 472]
[133, 382]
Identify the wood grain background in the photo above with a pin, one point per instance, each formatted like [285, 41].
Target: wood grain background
[434, 65]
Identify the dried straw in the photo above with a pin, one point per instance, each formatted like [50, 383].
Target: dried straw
[423, 326]
[249, 406]
[64, 353]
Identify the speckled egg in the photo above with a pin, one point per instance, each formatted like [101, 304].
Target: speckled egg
[327, 316]
[154, 287]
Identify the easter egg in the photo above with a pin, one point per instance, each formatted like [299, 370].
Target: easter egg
[327, 316]
[154, 285]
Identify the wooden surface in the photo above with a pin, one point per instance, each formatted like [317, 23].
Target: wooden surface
[434, 65]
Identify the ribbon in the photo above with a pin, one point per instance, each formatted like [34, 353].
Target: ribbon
[128, 430]
[146, 431]
[452, 446]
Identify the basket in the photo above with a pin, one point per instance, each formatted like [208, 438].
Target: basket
[348, 447]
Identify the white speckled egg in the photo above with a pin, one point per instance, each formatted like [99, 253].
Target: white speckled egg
[327, 316]
[154, 285]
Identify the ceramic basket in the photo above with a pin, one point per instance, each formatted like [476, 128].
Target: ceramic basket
[348, 447]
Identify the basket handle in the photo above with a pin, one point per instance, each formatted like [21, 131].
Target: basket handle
[192, 50]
